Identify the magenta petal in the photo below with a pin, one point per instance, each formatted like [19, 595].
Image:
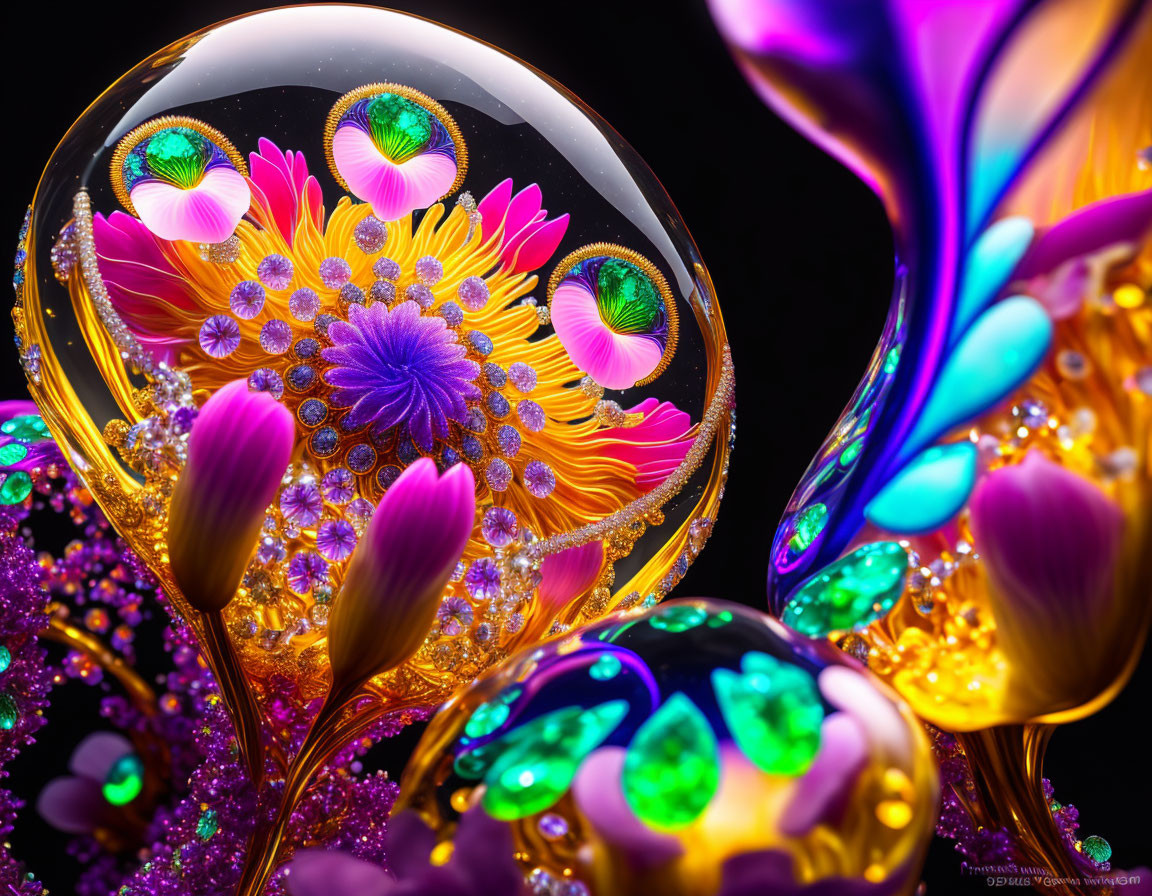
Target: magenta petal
[1119, 219]
[568, 574]
[1050, 540]
[240, 445]
[97, 753]
[494, 207]
[72, 805]
[656, 446]
[597, 792]
[522, 211]
[316, 872]
[539, 246]
[823, 791]
[397, 575]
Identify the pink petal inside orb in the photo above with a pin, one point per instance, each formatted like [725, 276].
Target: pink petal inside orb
[614, 360]
[392, 190]
[206, 213]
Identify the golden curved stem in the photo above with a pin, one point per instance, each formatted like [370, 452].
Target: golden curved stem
[1007, 767]
[62, 631]
[236, 690]
[332, 728]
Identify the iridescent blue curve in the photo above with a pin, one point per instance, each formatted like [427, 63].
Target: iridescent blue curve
[938, 107]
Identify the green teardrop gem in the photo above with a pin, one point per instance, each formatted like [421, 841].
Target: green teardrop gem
[486, 718]
[207, 824]
[179, 156]
[672, 768]
[17, 486]
[5, 658]
[538, 767]
[628, 300]
[399, 127]
[773, 711]
[855, 590]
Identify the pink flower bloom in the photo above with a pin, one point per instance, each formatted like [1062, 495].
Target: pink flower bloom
[283, 192]
[240, 445]
[528, 239]
[399, 570]
[205, 213]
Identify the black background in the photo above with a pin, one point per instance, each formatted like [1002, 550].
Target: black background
[800, 252]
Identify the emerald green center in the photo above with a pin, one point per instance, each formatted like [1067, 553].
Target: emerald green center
[399, 127]
[179, 156]
[810, 522]
[627, 298]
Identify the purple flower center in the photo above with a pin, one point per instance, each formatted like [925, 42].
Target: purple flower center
[398, 366]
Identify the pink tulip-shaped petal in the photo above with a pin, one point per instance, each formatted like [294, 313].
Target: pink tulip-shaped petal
[524, 209]
[97, 753]
[240, 445]
[823, 791]
[569, 574]
[597, 792]
[318, 872]
[283, 192]
[398, 573]
[494, 207]
[392, 190]
[614, 360]
[656, 446]
[73, 805]
[535, 244]
[205, 213]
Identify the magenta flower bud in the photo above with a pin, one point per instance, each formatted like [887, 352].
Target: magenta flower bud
[240, 445]
[399, 570]
[1051, 542]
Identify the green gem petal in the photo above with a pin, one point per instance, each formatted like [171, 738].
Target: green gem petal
[773, 711]
[605, 668]
[124, 780]
[13, 453]
[538, 766]
[628, 300]
[9, 712]
[672, 767]
[850, 592]
[399, 127]
[5, 658]
[26, 428]
[179, 156]
[810, 522]
[16, 487]
[486, 718]
[678, 618]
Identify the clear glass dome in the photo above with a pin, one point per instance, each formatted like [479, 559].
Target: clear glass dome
[276, 198]
[682, 750]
